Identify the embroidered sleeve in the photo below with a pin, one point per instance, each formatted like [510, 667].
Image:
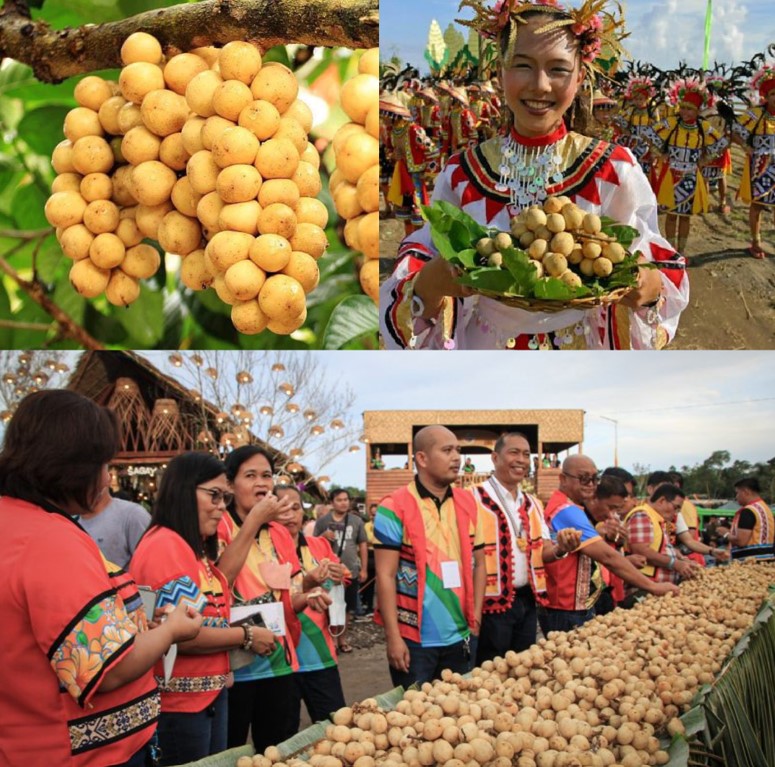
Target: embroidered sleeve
[388, 529]
[716, 143]
[95, 640]
[183, 591]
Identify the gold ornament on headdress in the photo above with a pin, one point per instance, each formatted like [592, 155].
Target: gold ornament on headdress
[595, 28]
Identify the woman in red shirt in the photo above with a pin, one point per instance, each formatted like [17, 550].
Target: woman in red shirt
[176, 557]
[77, 684]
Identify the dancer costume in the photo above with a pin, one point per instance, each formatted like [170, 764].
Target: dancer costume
[756, 127]
[493, 182]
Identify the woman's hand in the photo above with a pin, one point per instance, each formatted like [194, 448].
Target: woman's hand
[318, 600]
[263, 641]
[647, 290]
[436, 280]
[270, 508]
[321, 573]
[183, 621]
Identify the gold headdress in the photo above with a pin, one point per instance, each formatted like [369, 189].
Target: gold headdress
[596, 29]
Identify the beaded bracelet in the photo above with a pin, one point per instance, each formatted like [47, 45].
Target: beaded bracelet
[248, 643]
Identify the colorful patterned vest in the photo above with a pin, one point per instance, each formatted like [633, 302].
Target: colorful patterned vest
[763, 530]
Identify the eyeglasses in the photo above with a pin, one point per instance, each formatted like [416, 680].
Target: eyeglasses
[216, 495]
[585, 479]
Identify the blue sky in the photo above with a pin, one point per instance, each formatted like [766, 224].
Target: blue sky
[672, 408]
[662, 31]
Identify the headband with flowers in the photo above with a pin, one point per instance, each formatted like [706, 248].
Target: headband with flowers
[640, 85]
[689, 91]
[593, 27]
[763, 81]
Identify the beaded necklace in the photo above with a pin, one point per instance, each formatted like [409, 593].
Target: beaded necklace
[211, 581]
[526, 171]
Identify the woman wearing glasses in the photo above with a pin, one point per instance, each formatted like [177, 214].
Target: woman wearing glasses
[176, 557]
[259, 556]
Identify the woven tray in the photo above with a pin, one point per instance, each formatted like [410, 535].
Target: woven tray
[545, 305]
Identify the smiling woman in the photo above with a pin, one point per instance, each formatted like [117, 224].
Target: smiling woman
[548, 55]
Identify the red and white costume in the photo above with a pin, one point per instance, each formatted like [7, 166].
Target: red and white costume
[600, 178]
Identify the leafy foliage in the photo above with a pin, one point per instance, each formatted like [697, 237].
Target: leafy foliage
[167, 315]
[454, 233]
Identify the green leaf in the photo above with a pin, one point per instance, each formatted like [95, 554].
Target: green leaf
[14, 74]
[332, 289]
[522, 269]
[490, 278]
[552, 289]
[279, 53]
[694, 720]
[6, 334]
[8, 166]
[70, 301]
[213, 316]
[144, 319]
[27, 207]
[624, 234]
[48, 259]
[41, 128]
[353, 317]
[679, 753]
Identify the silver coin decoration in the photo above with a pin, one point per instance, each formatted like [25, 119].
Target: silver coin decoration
[525, 172]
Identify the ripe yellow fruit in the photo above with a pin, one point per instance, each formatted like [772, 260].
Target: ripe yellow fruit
[92, 92]
[359, 152]
[369, 279]
[122, 289]
[368, 235]
[309, 238]
[172, 152]
[282, 298]
[554, 264]
[181, 69]
[238, 183]
[96, 186]
[602, 266]
[244, 279]
[563, 243]
[311, 211]
[239, 61]
[138, 79]
[230, 98]
[64, 209]
[555, 222]
[200, 91]
[535, 217]
[591, 250]
[179, 234]
[194, 273]
[248, 317]
[277, 218]
[152, 182]
[358, 95]
[92, 154]
[149, 217]
[614, 252]
[87, 279]
[80, 122]
[286, 326]
[140, 46]
[276, 84]
[303, 268]
[226, 248]
[108, 114]
[76, 241]
[368, 189]
[240, 217]
[271, 252]
[279, 190]
[368, 64]
[101, 216]
[591, 223]
[107, 251]
[141, 261]
[261, 118]
[202, 172]
[164, 112]
[277, 158]
[235, 145]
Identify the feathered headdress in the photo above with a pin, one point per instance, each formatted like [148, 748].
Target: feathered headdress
[641, 84]
[763, 81]
[689, 91]
[594, 28]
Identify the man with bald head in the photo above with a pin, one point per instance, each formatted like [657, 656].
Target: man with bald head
[574, 582]
[429, 558]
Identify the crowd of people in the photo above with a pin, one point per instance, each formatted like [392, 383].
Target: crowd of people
[227, 614]
[465, 575]
[543, 126]
[164, 638]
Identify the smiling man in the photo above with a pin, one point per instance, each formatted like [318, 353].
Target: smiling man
[517, 544]
[429, 558]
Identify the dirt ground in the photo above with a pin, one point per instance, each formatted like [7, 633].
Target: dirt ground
[732, 303]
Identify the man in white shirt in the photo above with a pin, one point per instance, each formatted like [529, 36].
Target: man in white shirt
[517, 544]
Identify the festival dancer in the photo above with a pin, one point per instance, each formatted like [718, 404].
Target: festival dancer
[635, 117]
[683, 143]
[755, 130]
[546, 51]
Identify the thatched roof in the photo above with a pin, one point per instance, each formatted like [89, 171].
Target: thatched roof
[144, 438]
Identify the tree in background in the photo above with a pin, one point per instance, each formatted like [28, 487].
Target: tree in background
[26, 372]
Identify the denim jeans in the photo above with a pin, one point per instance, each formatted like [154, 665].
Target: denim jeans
[427, 663]
[187, 737]
[562, 620]
[320, 690]
[514, 629]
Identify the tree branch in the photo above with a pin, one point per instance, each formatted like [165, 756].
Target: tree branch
[57, 54]
[68, 327]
